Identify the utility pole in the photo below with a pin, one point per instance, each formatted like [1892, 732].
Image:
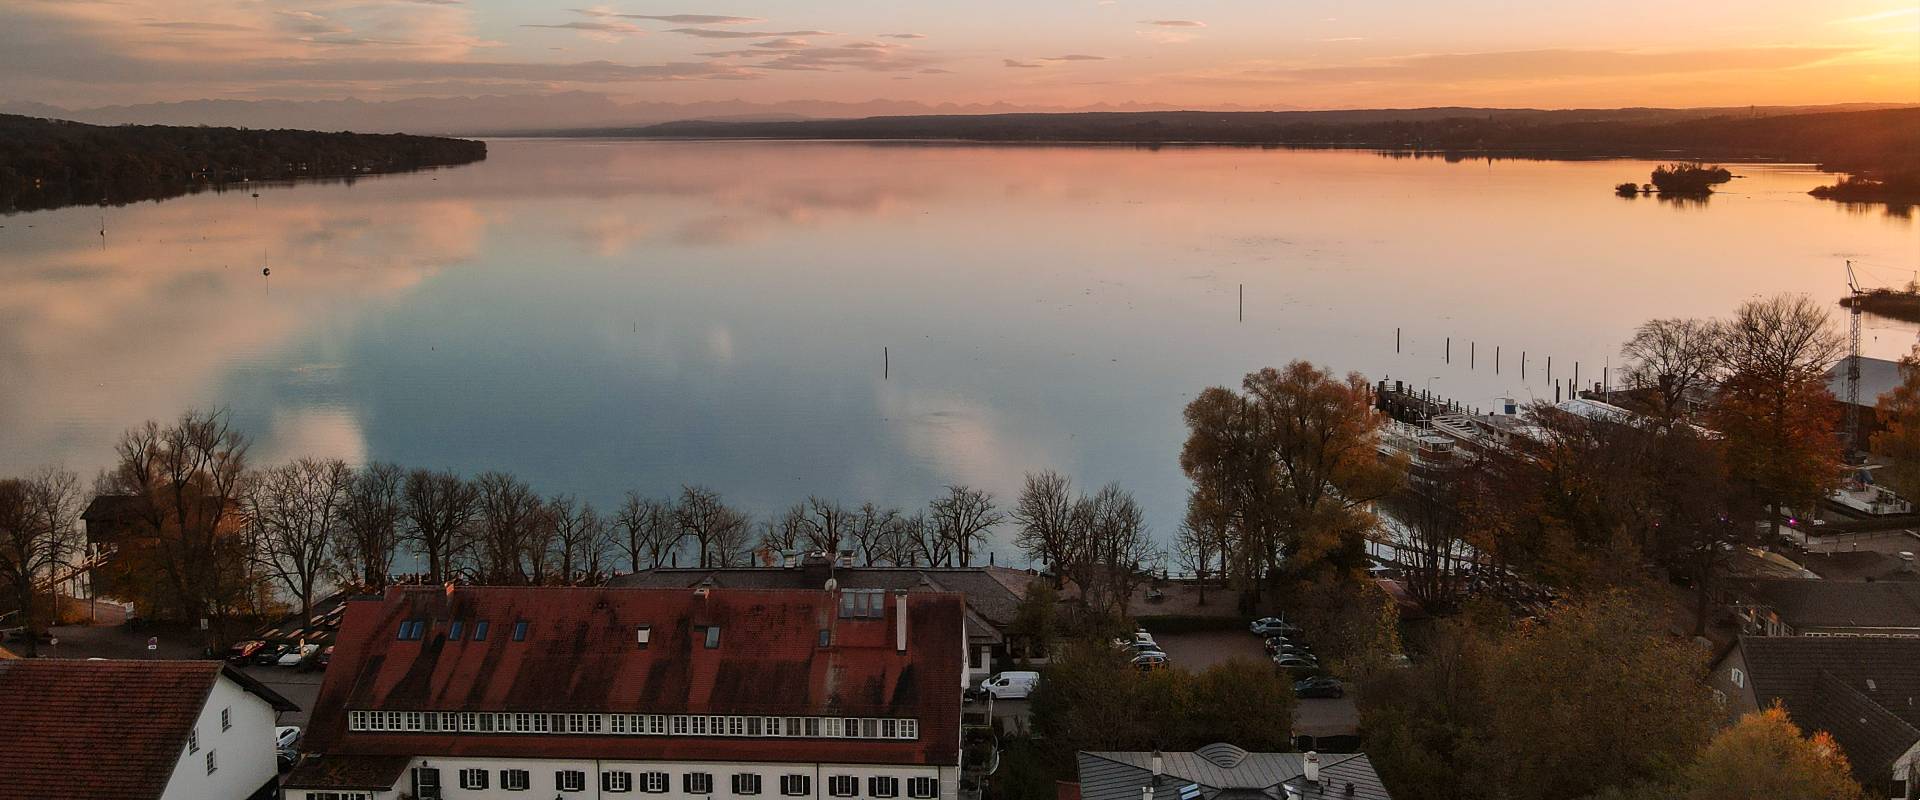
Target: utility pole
[1853, 363]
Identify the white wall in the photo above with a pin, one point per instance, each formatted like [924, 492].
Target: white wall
[542, 783]
[245, 759]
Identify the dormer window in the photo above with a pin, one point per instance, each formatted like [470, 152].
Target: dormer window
[641, 634]
[863, 603]
[713, 637]
[520, 631]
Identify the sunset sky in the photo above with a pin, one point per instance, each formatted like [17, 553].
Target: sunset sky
[1209, 53]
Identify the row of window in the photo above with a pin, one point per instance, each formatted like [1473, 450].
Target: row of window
[634, 724]
[745, 784]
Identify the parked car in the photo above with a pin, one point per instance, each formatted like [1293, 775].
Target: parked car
[286, 736]
[295, 655]
[1148, 662]
[1276, 647]
[286, 759]
[242, 652]
[1322, 686]
[269, 654]
[1011, 685]
[1266, 626]
[1294, 662]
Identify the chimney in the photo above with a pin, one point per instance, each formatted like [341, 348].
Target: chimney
[900, 620]
[1156, 763]
[1313, 767]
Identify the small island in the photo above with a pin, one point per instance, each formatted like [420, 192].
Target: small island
[1690, 179]
[1900, 304]
[46, 163]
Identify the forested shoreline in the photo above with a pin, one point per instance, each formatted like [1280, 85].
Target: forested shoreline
[1880, 149]
[48, 163]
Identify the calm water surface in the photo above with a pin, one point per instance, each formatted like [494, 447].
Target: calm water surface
[600, 316]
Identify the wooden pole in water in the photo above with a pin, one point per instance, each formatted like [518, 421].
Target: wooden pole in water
[1473, 354]
[1496, 359]
[1243, 302]
[1574, 390]
[1523, 365]
[1550, 371]
[1449, 355]
[1396, 341]
[886, 364]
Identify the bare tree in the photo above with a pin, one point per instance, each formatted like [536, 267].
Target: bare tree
[370, 533]
[577, 530]
[907, 541]
[1112, 548]
[649, 529]
[1672, 363]
[961, 521]
[596, 545]
[1044, 513]
[826, 525]
[39, 532]
[440, 510]
[870, 530]
[1194, 550]
[785, 533]
[511, 537]
[294, 514]
[720, 530]
[186, 480]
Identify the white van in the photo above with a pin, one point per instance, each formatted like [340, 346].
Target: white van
[1011, 685]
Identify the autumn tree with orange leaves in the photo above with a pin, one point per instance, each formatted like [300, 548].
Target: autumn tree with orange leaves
[1290, 462]
[1773, 407]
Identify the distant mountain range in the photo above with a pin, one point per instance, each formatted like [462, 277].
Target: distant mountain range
[575, 112]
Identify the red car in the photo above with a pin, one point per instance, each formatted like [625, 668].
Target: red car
[242, 653]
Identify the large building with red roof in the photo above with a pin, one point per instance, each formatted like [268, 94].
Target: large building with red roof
[711, 694]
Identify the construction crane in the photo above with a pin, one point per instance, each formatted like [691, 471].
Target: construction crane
[1853, 361]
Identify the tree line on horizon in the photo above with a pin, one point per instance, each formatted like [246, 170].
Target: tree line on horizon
[52, 163]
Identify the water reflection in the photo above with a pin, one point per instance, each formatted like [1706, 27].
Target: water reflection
[599, 316]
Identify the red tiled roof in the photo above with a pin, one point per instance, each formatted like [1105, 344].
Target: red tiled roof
[378, 773]
[580, 655]
[98, 729]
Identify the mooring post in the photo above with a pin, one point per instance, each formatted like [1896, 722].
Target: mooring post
[1473, 354]
[1449, 350]
[1396, 341]
[886, 364]
[1496, 359]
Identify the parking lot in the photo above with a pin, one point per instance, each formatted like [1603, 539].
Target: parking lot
[1199, 650]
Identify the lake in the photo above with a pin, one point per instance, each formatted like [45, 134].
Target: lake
[599, 316]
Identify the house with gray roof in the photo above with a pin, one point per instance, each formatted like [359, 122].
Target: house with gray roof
[1815, 607]
[1221, 771]
[1865, 691]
